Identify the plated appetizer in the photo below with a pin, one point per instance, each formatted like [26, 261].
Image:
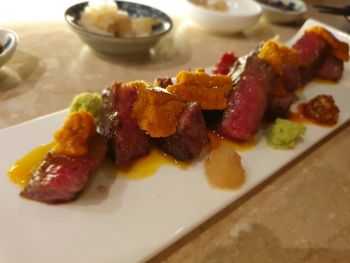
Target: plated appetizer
[188, 117]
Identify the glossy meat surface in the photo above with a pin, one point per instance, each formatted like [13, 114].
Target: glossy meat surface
[248, 101]
[126, 140]
[190, 137]
[60, 178]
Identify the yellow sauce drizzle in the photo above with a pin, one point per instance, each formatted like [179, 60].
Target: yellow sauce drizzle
[21, 171]
[147, 166]
[325, 81]
[216, 141]
[300, 90]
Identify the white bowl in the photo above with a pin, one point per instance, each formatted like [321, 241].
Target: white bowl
[9, 40]
[241, 15]
[120, 46]
[277, 15]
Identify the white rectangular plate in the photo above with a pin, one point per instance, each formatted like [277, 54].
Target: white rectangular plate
[135, 219]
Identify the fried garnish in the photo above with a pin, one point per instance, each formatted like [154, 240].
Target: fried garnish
[73, 138]
[211, 92]
[156, 110]
[322, 110]
[276, 55]
[340, 49]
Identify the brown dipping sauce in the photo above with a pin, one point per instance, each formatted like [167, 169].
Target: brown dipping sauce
[320, 110]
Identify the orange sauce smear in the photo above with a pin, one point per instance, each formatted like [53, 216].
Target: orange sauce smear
[148, 165]
[299, 116]
[300, 90]
[216, 141]
[21, 171]
[325, 82]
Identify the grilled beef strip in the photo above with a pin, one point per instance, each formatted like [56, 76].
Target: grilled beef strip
[190, 137]
[331, 69]
[252, 78]
[312, 50]
[126, 140]
[60, 179]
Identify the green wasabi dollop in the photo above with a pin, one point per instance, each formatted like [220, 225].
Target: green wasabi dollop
[87, 101]
[284, 134]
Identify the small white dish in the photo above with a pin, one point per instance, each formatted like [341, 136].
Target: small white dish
[278, 15]
[9, 41]
[241, 15]
[121, 46]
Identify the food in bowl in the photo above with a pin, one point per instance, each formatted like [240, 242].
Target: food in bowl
[219, 5]
[108, 44]
[105, 18]
[240, 15]
[283, 11]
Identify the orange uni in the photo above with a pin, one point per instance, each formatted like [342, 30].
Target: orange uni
[72, 138]
[211, 92]
[156, 110]
[276, 54]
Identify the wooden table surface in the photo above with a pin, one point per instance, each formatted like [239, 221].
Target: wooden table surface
[300, 214]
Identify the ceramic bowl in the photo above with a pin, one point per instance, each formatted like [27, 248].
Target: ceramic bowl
[9, 41]
[121, 46]
[277, 15]
[241, 15]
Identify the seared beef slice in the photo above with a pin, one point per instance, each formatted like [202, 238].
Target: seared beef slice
[322, 54]
[331, 69]
[190, 137]
[60, 178]
[126, 140]
[248, 101]
[312, 50]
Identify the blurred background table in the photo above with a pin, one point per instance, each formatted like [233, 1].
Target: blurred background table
[301, 214]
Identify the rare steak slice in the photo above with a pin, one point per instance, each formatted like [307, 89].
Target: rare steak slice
[331, 69]
[279, 107]
[190, 137]
[312, 50]
[285, 63]
[60, 179]
[322, 54]
[126, 140]
[248, 101]
[291, 78]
